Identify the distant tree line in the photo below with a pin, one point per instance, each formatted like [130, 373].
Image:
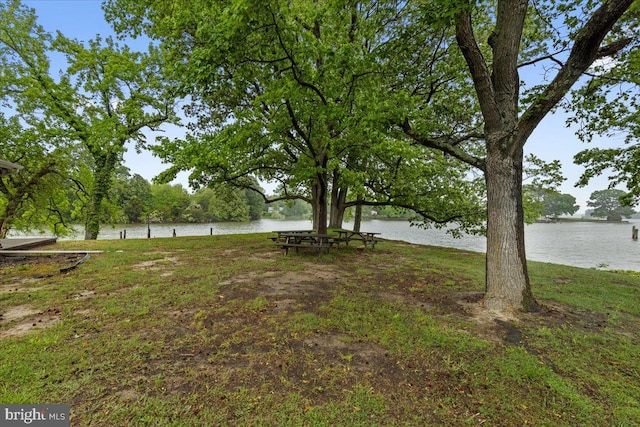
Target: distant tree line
[133, 200]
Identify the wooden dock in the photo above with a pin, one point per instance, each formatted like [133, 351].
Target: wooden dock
[26, 243]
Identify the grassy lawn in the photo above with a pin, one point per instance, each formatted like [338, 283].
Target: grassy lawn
[225, 330]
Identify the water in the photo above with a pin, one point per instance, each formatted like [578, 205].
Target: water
[580, 244]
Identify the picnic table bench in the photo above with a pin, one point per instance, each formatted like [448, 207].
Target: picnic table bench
[282, 233]
[319, 242]
[367, 238]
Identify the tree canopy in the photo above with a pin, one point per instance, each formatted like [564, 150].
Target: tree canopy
[607, 106]
[34, 198]
[556, 204]
[103, 100]
[303, 95]
[609, 204]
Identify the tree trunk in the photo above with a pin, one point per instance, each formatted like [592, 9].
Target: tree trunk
[9, 214]
[101, 185]
[507, 279]
[336, 214]
[319, 193]
[4, 227]
[322, 201]
[94, 212]
[314, 206]
[357, 219]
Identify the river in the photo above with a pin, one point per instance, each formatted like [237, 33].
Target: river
[580, 244]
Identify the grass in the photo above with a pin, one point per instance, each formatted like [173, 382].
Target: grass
[224, 330]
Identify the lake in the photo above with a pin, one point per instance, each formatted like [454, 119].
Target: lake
[581, 244]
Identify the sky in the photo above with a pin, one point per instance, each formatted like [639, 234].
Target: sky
[552, 140]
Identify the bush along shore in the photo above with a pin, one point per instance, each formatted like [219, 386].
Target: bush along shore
[225, 330]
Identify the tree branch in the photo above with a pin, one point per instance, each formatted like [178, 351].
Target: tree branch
[296, 126]
[586, 49]
[266, 198]
[613, 48]
[477, 66]
[293, 67]
[550, 57]
[422, 212]
[449, 147]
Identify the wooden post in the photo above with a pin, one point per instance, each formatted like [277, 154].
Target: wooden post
[211, 231]
[148, 227]
[124, 235]
[634, 233]
[174, 232]
[121, 235]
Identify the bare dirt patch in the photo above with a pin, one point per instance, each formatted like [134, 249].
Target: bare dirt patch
[285, 289]
[505, 327]
[18, 285]
[84, 294]
[286, 304]
[487, 322]
[556, 314]
[18, 312]
[157, 264]
[22, 320]
[359, 355]
[164, 266]
[19, 274]
[265, 256]
[409, 300]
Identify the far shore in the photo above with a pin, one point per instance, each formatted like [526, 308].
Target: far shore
[581, 219]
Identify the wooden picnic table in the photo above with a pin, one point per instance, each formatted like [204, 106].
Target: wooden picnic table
[282, 233]
[367, 237]
[321, 242]
[297, 240]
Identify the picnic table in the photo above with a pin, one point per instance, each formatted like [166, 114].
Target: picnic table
[368, 238]
[281, 234]
[287, 239]
[305, 239]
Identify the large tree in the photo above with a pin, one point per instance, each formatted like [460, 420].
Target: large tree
[497, 41]
[556, 204]
[295, 93]
[34, 198]
[277, 103]
[608, 204]
[103, 100]
[508, 123]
